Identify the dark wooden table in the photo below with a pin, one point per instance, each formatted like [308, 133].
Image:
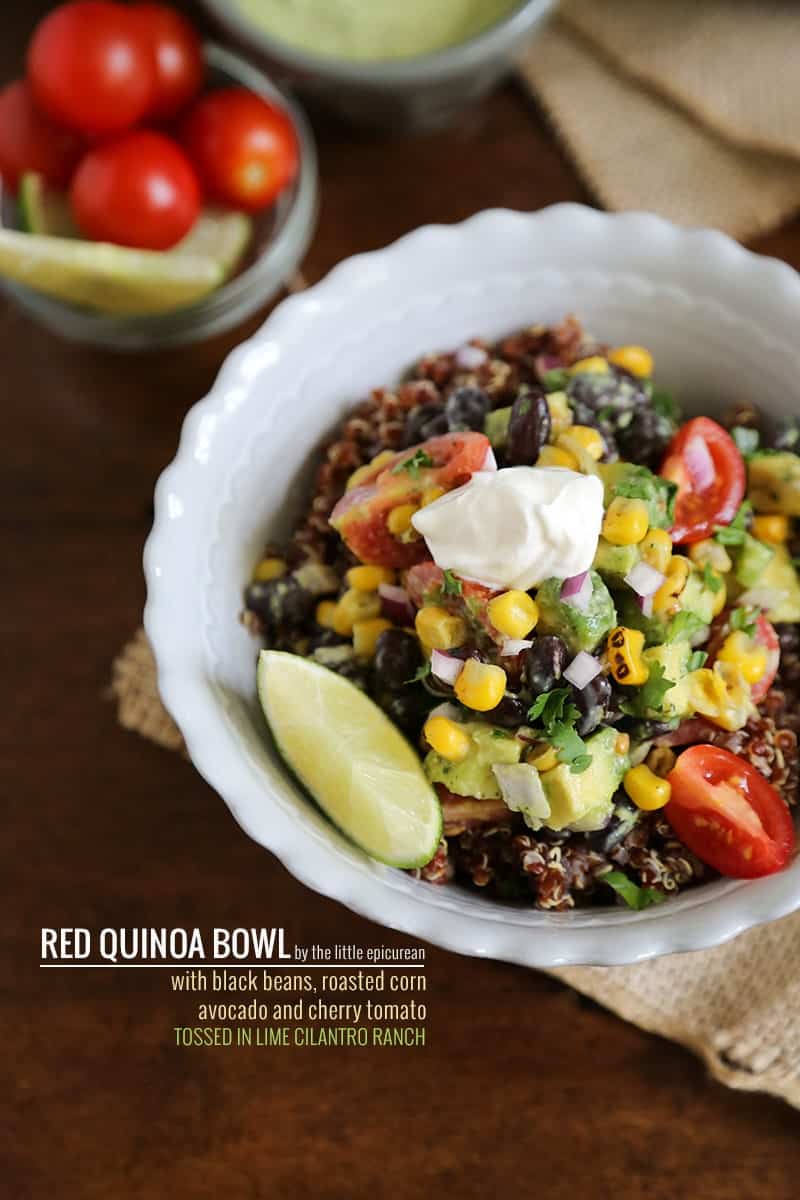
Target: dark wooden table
[522, 1088]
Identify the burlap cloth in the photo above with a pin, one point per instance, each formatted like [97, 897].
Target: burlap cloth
[693, 111]
[737, 1006]
[687, 109]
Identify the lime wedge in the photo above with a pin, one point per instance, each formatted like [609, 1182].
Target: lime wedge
[42, 209]
[355, 763]
[219, 234]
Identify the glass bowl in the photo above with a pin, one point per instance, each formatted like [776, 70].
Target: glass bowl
[280, 239]
[399, 94]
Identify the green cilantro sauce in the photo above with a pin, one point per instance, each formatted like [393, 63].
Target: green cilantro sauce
[375, 30]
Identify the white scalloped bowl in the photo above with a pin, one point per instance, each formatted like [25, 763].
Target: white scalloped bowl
[722, 324]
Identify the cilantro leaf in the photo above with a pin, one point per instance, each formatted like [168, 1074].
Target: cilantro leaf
[558, 716]
[735, 533]
[555, 380]
[711, 579]
[633, 489]
[684, 626]
[549, 706]
[452, 584]
[419, 459]
[651, 694]
[665, 405]
[745, 619]
[697, 660]
[634, 896]
[746, 440]
[420, 673]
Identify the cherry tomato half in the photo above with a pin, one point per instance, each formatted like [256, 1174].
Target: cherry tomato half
[28, 142]
[178, 55]
[727, 813]
[243, 147]
[91, 67]
[709, 470]
[362, 513]
[138, 190]
[764, 636]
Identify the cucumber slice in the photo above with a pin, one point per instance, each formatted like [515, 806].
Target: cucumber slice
[355, 763]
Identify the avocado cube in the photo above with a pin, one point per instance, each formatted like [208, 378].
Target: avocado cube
[584, 802]
[495, 426]
[781, 578]
[580, 630]
[473, 775]
[752, 560]
[615, 562]
[673, 658]
[773, 481]
[637, 483]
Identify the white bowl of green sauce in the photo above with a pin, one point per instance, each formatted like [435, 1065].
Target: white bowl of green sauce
[388, 63]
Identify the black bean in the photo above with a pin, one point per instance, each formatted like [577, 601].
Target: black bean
[408, 709]
[543, 664]
[466, 408]
[397, 658]
[529, 427]
[592, 702]
[281, 603]
[623, 818]
[510, 713]
[646, 437]
[426, 421]
[786, 436]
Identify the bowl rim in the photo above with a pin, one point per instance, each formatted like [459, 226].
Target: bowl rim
[387, 73]
[191, 697]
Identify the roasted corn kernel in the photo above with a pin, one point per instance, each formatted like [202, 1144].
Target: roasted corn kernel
[269, 568]
[446, 738]
[773, 529]
[438, 629]
[368, 468]
[554, 456]
[560, 412]
[399, 520]
[368, 579]
[626, 521]
[623, 743]
[480, 686]
[325, 613]
[647, 790]
[543, 757]
[431, 493]
[366, 634]
[595, 364]
[656, 549]
[355, 606]
[711, 552]
[590, 439]
[514, 613]
[665, 601]
[634, 359]
[625, 647]
[744, 653]
[722, 695]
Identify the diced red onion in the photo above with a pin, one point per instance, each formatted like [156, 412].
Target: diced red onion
[446, 667]
[699, 463]
[396, 604]
[469, 358]
[547, 362]
[582, 670]
[644, 579]
[490, 462]
[514, 646]
[577, 591]
[646, 604]
[451, 711]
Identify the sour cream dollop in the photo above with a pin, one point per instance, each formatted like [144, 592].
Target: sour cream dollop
[516, 527]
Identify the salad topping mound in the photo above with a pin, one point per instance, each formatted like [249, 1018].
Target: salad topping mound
[583, 611]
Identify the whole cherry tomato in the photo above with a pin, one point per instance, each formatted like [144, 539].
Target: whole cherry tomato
[244, 148]
[29, 142]
[709, 470]
[727, 813]
[178, 55]
[91, 67]
[138, 190]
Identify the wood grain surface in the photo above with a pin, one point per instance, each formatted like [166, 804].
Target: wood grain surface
[523, 1088]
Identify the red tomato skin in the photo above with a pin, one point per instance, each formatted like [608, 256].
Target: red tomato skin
[139, 190]
[714, 835]
[29, 142]
[178, 55]
[244, 148]
[90, 67]
[361, 514]
[697, 514]
[765, 636]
